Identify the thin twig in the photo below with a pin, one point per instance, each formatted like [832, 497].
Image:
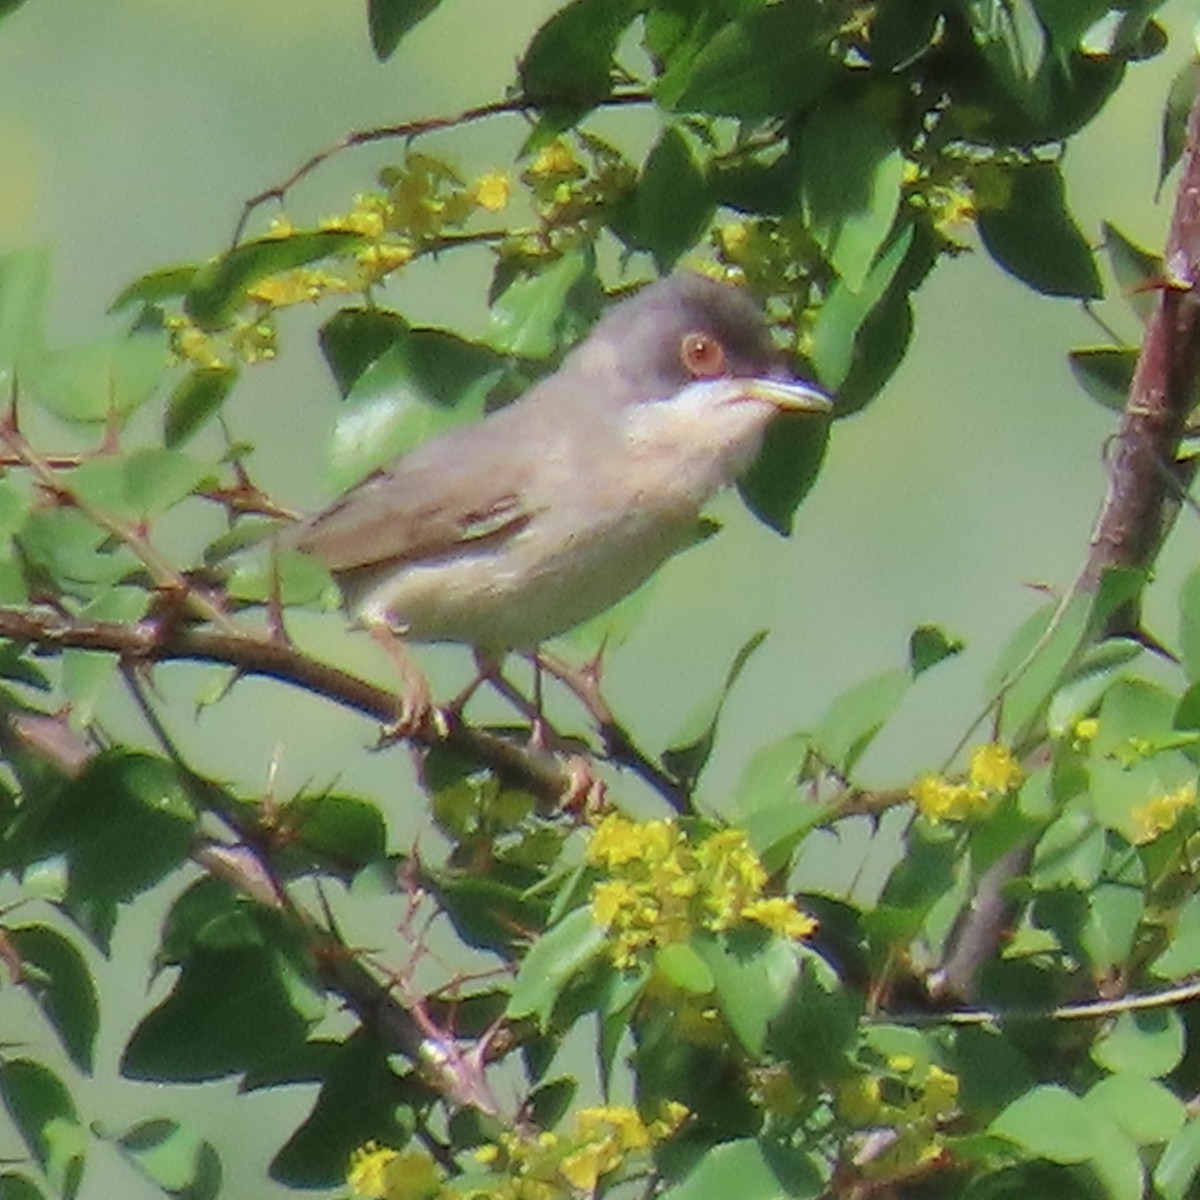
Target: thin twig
[517, 106]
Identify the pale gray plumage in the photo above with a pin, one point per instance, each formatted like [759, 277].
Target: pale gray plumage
[507, 532]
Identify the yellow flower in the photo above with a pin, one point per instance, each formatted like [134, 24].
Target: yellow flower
[780, 915]
[995, 769]
[555, 159]
[940, 800]
[492, 191]
[1161, 813]
[859, 1100]
[1086, 730]
[379, 1173]
[940, 1093]
[612, 900]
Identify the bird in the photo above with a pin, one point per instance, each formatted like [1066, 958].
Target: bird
[507, 532]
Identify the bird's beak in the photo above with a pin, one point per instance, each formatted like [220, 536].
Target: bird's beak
[791, 396]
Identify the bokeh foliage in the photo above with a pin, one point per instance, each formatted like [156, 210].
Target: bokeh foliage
[770, 1041]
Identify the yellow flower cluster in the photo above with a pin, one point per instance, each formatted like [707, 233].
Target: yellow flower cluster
[1161, 813]
[993, 772]
[921, 1101]
[663, 886]
[601, 1140]
[545, 1166]
[380, 1173]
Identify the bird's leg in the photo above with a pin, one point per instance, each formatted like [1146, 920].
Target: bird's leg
[489, 671]
[416, 709]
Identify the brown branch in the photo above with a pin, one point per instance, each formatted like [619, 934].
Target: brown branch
[251, 654]
[517, 106]
[1143, 486]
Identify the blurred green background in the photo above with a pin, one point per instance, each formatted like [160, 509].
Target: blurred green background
[132, 132]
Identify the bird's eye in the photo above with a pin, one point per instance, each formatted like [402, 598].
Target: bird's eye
[703, 356]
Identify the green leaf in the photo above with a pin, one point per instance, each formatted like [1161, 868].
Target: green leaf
[754, 977]
[138, 486]
[162, 284]
[87, 674]
[1189, 625]
[1066, 21]
[673, 204]
[18, 1187]
[693, 745]
[1150, 1043]
[771, 63]
[1035, 238]
[426, 382]
[684, 968]
[537, 315]
[358, 1103]
[1105, 373]
[750, 1170]
[44, 1114]
[1181, 957]
[818, 1028]
[1070, 854]
[1138, 271]
[219, 288]
[71, 550]
[173, 1158]
[488, 914]
[845, 313]
[93, 382]
[786, 468]
[929, 646]
[197, 398]
[123, 825]
[1145, 1110]
[1173, 135]
[856, 717]
[230, 1010]
[1176, 1170]
[772, 776]
[390, 20]
[553, 960]
[1053, 1123]
[850, 182]
[569, 62]
[346, 831]
[24, 283]
[56, 975]
[1113, 917]
[550, 1102]
[353, 338]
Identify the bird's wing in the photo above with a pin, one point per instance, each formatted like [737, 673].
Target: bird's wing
[469, 486]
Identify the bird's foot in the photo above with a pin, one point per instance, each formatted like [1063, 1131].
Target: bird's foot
[416, 713]
[585, 792]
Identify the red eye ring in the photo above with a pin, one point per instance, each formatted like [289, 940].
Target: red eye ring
[702, 355]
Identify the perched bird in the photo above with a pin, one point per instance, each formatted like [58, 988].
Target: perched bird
[507, 532]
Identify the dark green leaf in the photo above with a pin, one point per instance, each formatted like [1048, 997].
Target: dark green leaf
[197, 398]
[851, 172]
[357, 1103]
[45, 1116]
[929, 646]
[173, 1158]
[229, 1010]
[1066, 21]
[1035, 238]
[1181, 958]
[754, 977]
[569, 62]
[219, 289]
[1173, 137]
[122, 825]
[427, 381]
[537, 315]
[673, 205]
[1138, 272]
[56, 975]
[770, 63]
[549, 1103]
[344, 830]
[693, 745]
[17, 1187]
[163, 284]
[488, 914]
[389, 21]
[1105, 373]
[1189, 625]
[819, 1026]
[786, 468]
[880, 343]
[353, 338]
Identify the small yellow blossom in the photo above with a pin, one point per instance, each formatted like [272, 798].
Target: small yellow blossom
[492, 190]
[860, 1099]
[780, 915]
[379, 1173]
[994, 768]
[555, 159]
[290, 287]
[1162, 813]
[939, 1093]
[938, 799]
